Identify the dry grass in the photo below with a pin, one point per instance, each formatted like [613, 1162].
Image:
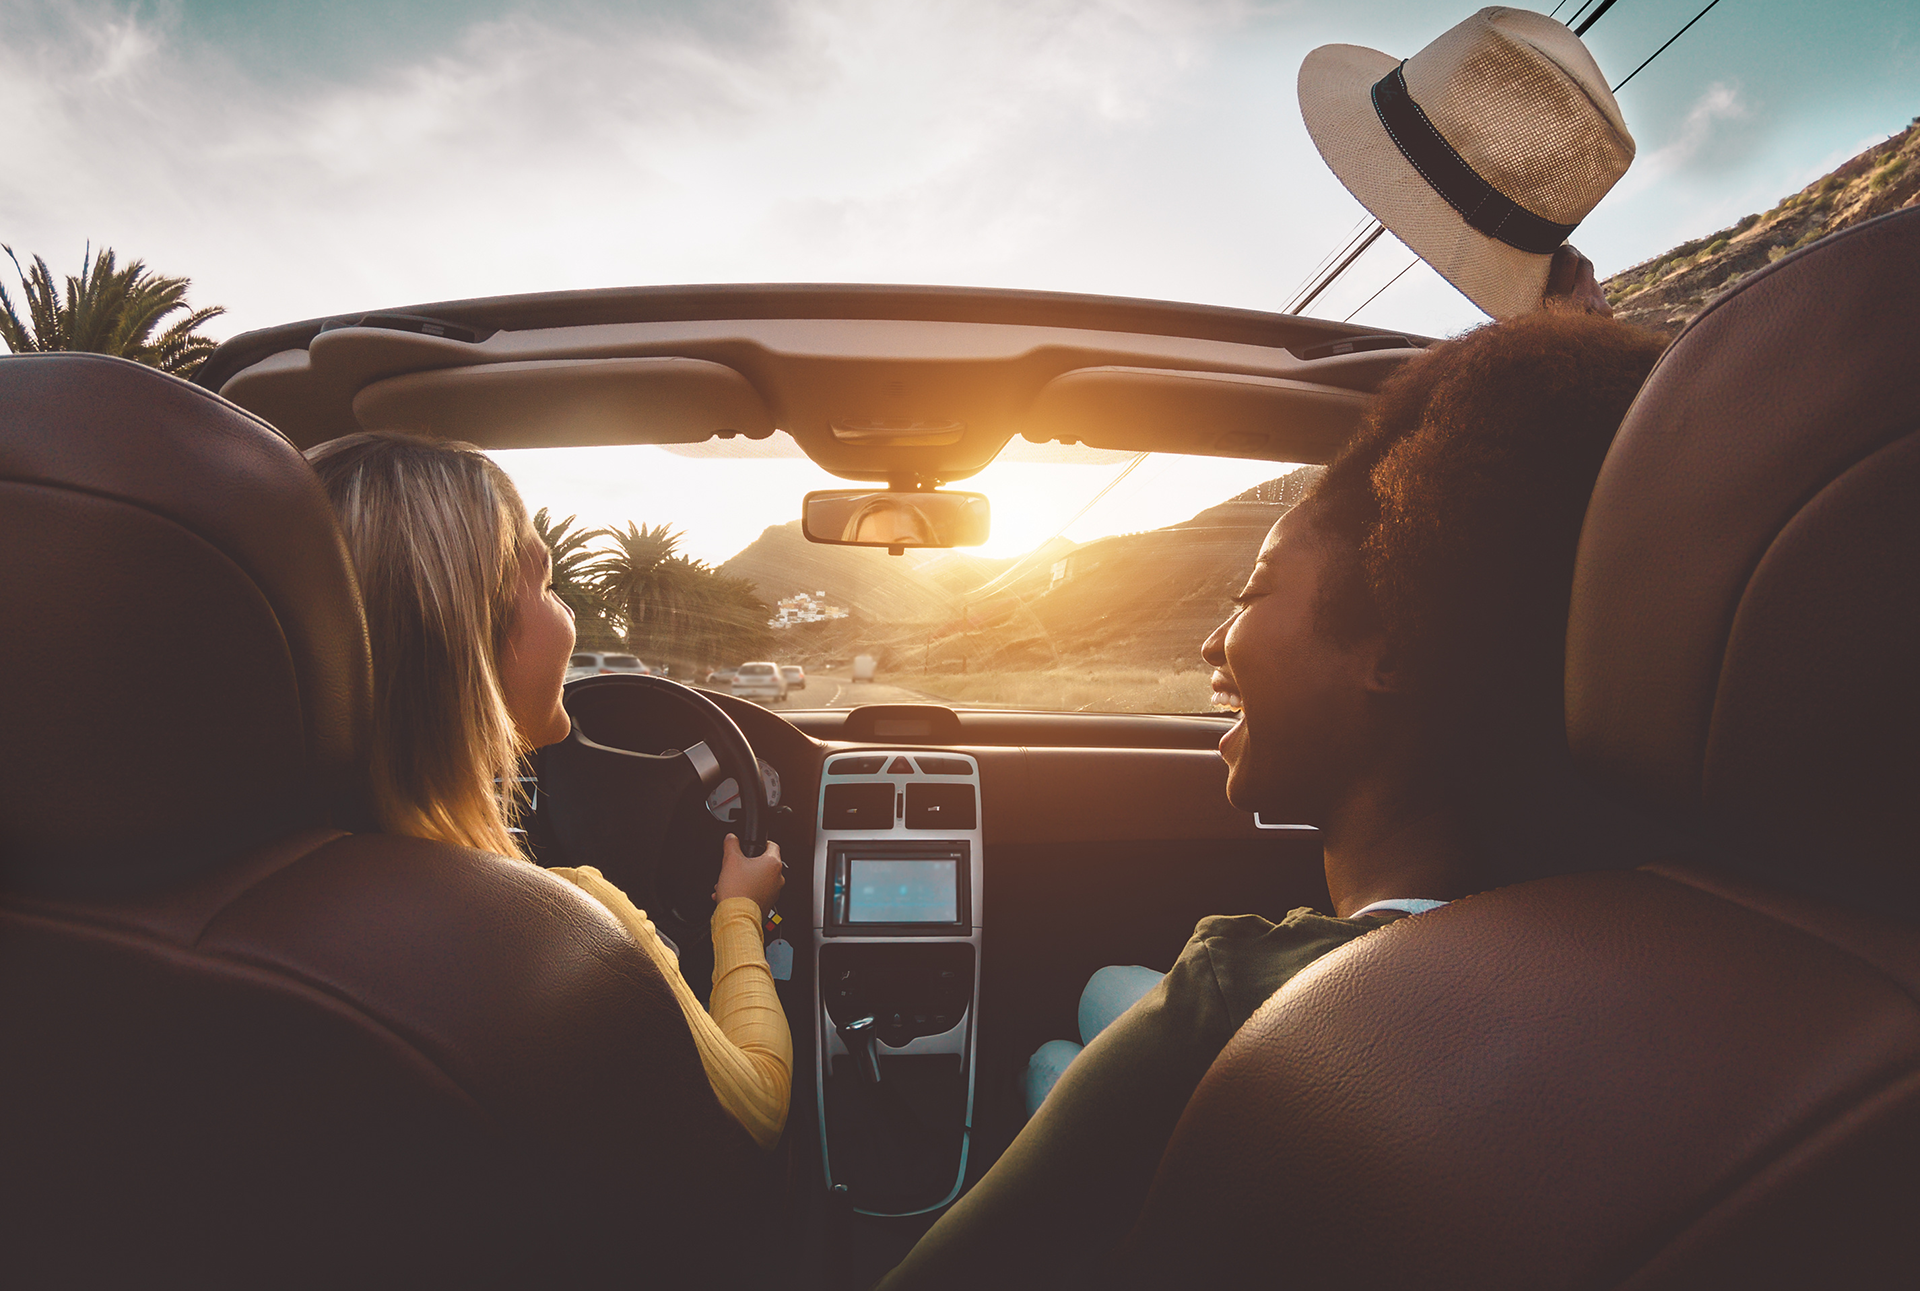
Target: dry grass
[1083, 688]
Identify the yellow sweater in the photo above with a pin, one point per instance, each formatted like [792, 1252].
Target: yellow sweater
[744, 1043]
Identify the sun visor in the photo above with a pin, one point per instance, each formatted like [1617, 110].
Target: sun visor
[308, 393]
[569, 401]
[1220, 414]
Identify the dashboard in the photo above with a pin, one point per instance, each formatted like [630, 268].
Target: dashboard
[955, 876]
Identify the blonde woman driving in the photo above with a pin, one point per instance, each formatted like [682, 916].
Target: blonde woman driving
[470, 648]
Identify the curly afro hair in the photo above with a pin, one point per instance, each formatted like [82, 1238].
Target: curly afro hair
[1457, 508]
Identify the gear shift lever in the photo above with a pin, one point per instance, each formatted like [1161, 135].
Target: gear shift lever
[859, 1037]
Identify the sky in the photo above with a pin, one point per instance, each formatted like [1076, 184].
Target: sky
[301, 159]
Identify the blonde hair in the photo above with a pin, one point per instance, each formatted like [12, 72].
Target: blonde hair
[437, 533]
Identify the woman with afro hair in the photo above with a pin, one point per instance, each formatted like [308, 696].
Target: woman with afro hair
[1396, 662]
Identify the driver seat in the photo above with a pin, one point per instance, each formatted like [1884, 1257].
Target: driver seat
[1699, 1073]
[242, 1045]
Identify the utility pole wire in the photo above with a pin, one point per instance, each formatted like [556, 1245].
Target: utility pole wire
[1334, 273]
[1353, 234]
[1581, 30]
[1663, 49]
[1383, 286]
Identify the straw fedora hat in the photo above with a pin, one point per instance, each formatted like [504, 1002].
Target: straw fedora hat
[1482, 152]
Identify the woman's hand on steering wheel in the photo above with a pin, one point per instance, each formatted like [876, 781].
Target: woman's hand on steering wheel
[758, 877]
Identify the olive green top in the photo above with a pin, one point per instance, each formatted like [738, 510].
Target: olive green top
[1057, 1202]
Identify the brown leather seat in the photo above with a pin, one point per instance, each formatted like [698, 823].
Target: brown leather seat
[1695, 1074]
[238, 1045]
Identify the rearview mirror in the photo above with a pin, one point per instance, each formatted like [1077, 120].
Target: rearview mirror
[896, 521]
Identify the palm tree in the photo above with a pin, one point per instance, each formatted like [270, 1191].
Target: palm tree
[675, 607]
[737, 621]
[639, 581]
[573, 557]
[106, 310]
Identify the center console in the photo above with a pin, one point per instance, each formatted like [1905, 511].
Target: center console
[896, 935]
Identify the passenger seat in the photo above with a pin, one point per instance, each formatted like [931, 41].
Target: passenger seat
[1701, 1073]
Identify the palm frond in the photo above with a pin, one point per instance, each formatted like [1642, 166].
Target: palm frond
[107, 309]
[573, 557]
[42, 329]
[179, 350]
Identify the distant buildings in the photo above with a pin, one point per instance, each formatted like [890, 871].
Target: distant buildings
[802, 607]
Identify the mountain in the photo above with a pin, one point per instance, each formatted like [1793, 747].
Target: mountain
[913, 588]
[1141, 599]
[1665, 292]
[1150, 598]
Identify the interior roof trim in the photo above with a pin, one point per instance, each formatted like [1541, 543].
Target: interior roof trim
[613, 305]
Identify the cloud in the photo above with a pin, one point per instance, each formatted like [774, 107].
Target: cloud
[305, 160]
[849, 139]
[1700, 143]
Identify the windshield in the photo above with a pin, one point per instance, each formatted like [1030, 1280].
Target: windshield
[1102, 575]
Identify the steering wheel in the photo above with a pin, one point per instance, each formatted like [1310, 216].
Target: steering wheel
[609, 791]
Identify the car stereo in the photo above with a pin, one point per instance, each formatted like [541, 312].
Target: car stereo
[899, 889]
[897, 897]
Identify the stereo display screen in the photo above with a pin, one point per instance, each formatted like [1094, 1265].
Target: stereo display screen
[892, 890]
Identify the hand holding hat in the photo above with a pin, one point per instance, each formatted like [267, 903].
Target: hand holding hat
[1571, 282]
[1482, 152]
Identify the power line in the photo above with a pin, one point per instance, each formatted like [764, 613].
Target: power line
[1581, 30]
[1353, 235]
[1376, 295]
[1333, 274]
[1576, 13]
[1663, 49]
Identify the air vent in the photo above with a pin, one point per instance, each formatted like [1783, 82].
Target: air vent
[857, 806]
[940, 806]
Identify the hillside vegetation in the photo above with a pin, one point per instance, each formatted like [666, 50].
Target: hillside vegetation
[1667, 291]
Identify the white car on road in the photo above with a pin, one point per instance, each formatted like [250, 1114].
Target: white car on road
[760, 680]
[593, 663]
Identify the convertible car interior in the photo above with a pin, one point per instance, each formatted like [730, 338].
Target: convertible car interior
[252, 1041]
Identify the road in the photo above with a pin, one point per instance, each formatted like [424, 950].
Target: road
[836, 690]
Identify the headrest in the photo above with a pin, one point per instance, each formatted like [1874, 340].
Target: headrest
[184, 670]
[1744, 640]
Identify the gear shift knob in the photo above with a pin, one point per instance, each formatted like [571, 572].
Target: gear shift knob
[859, 1038]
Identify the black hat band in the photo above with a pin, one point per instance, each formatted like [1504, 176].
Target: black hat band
[1483, 206]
